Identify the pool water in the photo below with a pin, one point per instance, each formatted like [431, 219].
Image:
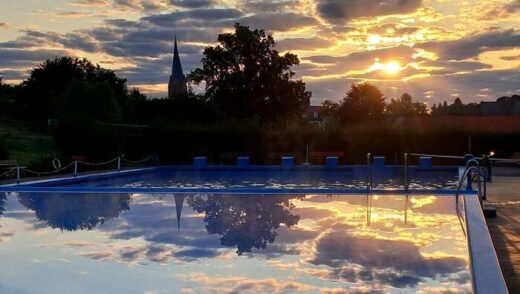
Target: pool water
[214, 243]
[278, 178]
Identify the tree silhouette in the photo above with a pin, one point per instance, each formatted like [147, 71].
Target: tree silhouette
[244, 222]
[405, 107]
[247, 78]
[363, 102]
[75, 212]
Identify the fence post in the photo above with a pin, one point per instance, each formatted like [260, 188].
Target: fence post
[17, 174]
[75, 168]
[119, 164]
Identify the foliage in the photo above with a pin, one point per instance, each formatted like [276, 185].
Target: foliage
[405, 107]
[247, 78]
[51, 79]
[363, 102]
[4, 152]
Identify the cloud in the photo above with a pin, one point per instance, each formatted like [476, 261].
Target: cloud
[276, 21]
[4, 25]
[289, 44]
[202, 15]
[474, 44]
[192, 3]
[398, 263]
[341, 11]
[91, 3]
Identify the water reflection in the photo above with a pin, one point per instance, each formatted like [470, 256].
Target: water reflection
[73, 212]
[3, 199]
[245, 222]
[290, 243]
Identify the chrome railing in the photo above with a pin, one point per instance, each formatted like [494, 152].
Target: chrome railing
[472, 173]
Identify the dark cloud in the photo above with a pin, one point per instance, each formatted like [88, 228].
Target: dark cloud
[340, 11]
[3, 25]
[276, 21]
[177, 18]
[303, 44]
[192, 3]
[475, 44]
[25, 58]
[398, 263]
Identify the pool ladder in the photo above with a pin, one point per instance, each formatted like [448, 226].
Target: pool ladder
[473, 173]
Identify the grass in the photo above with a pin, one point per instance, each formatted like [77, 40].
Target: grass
[24, 145]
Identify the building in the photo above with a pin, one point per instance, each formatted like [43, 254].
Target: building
[314, 115]
[177, 83]
[504, 106]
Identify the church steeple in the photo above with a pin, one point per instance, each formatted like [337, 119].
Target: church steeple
[177, 83]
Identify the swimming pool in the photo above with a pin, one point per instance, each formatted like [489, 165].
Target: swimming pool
[142, 243]
[247, 229]
[261, 179]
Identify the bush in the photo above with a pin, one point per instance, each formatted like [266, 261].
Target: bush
[4, 153]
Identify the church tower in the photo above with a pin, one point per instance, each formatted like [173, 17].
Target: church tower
[177, 83]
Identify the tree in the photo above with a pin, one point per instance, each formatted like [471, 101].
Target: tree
[405, 107]
[363, 102]
[331, 110]
[247, 78]
[51, 79]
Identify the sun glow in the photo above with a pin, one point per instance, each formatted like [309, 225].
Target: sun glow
[390, 67]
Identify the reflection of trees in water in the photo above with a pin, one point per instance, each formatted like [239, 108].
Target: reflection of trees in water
[245, 221]
[73, 212]
[3, 200]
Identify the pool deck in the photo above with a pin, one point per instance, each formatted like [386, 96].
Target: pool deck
[504, 193]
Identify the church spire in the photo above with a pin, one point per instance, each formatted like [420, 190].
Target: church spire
[177, 83]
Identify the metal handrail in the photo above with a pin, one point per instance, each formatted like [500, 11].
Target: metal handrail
[466, 176]
[512, 160]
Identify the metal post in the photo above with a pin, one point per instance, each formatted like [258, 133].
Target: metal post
[119, 164]
[406, 171]
[75, 168]
[17, 174]
[306, 154]
[369, 172]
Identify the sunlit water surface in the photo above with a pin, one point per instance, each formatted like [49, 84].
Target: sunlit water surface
[120, 243]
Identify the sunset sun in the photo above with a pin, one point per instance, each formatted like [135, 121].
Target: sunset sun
[390, 67]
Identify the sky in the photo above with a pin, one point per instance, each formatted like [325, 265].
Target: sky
[436, 50]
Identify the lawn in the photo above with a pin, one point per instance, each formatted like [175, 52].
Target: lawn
[29, 148]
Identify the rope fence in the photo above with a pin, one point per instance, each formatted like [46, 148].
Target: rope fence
[19, 171]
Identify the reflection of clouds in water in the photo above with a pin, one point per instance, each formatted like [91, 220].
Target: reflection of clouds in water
[397, 263]
[328, 238]
[239, 284]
